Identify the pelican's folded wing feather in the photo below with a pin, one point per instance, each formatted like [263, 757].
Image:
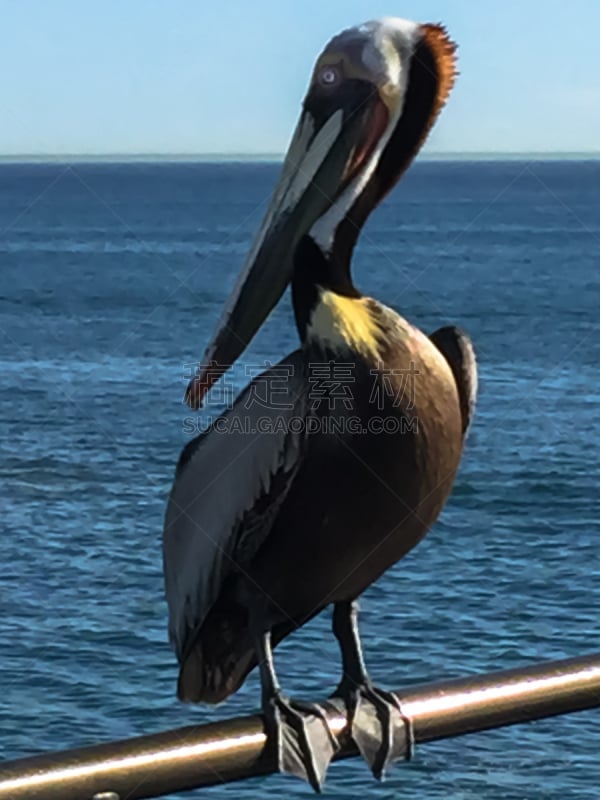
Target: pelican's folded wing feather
[229, 482]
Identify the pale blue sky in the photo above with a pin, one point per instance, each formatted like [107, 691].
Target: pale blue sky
[189, 76]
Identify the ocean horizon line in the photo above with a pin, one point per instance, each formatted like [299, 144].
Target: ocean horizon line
[215, 158]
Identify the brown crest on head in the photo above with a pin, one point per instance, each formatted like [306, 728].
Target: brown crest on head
[442, 53]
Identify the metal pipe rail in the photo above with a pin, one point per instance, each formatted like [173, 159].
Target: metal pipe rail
[192, 757]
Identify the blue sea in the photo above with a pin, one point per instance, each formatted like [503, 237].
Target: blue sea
[112, 279]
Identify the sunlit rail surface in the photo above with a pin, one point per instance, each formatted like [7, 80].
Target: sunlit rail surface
[192, 757]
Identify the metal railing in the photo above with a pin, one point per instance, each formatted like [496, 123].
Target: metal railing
[188, 758]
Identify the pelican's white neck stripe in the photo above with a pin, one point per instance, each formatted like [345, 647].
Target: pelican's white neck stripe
[323, 231]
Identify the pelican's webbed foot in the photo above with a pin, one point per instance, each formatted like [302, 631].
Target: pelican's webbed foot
[377, 725]
[303, 742]
[382, 733]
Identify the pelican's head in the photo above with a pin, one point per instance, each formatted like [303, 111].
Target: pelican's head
[374, 94]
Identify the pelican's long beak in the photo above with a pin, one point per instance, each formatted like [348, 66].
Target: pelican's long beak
[322, 156]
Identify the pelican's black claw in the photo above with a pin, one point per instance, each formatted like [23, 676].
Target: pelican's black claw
[304, 744]
[378, 727]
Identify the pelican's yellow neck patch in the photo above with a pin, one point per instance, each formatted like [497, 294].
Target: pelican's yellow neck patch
[344, 323]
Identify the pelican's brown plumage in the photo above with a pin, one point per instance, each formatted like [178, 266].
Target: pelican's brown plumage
[265, 528]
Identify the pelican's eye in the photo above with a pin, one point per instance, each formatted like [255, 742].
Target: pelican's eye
[329, 76]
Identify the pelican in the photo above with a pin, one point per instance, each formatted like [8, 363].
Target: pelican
[275, 514]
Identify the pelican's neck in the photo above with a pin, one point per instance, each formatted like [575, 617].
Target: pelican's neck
[333, 318]
[316, 273]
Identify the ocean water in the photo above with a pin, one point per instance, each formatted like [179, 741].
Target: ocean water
[112, 278]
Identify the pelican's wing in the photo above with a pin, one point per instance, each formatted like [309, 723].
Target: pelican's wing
[230, 481]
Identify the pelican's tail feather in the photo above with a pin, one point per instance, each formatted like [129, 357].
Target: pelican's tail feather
[220, 657]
